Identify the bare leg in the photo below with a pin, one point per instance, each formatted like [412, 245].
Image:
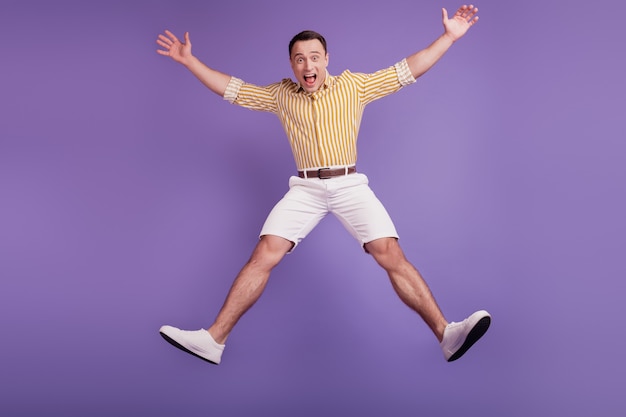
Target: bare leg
[249, 284]
[408, 283]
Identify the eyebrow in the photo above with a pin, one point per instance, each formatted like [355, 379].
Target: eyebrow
[302, 54]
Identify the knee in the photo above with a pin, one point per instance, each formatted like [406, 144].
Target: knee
[269, 252]
[386, 252]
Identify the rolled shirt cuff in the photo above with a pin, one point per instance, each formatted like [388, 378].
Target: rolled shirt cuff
[405, 77]
[232, 89]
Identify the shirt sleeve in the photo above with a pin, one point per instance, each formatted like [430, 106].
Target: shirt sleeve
[383, 82]
[405, 77]
[252, 96]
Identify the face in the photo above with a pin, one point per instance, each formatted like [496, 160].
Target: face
[309, 62]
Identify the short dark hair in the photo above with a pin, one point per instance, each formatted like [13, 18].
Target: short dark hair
[307, 35]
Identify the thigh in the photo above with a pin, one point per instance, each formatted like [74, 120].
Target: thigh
[361, 212]
[298, 212]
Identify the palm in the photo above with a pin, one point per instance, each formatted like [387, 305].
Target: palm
[460, 23]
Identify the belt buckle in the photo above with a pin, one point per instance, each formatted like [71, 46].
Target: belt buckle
[319, 173]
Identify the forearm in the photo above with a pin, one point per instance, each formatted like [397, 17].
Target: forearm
[216, 81]
[422, 61]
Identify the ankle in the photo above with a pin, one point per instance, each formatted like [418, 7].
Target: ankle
[440, 329]
[218, 336]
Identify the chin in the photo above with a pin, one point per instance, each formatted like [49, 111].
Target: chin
[312, 89]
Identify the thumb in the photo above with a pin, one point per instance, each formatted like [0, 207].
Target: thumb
[187, 40]
[444, 14]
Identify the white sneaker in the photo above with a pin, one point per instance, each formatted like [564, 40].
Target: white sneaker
[199, 343]
[459, 337]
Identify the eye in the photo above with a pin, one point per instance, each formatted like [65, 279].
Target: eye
[314, 58]
[299, 60]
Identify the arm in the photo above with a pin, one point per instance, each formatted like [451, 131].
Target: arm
[455, 28]
[181, 53]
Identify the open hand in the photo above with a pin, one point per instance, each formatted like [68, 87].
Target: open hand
[460, 23]
[172, 47]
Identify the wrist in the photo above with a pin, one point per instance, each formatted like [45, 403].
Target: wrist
[448, 37]
[189, 61]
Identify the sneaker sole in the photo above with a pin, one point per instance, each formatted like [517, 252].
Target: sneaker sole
[181, 347]
[479, 329]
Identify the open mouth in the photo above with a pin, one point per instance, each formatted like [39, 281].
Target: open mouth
[310, 79]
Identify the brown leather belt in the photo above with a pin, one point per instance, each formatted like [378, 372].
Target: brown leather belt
[325, 173]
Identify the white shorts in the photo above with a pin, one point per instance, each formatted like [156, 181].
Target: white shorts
[348, 197]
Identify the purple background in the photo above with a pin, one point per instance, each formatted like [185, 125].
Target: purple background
[130, 196]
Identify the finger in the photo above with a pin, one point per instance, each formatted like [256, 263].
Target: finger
[163, 44]
[460, 11]
[471, 11]
[187, 40]
[164, 40]
[171, 36]
[467, 10]
[471, 18]
[444, 14]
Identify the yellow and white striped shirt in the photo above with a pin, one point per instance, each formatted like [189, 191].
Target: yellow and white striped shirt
[322, 126]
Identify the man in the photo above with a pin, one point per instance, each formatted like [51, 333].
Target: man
[321, 115]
